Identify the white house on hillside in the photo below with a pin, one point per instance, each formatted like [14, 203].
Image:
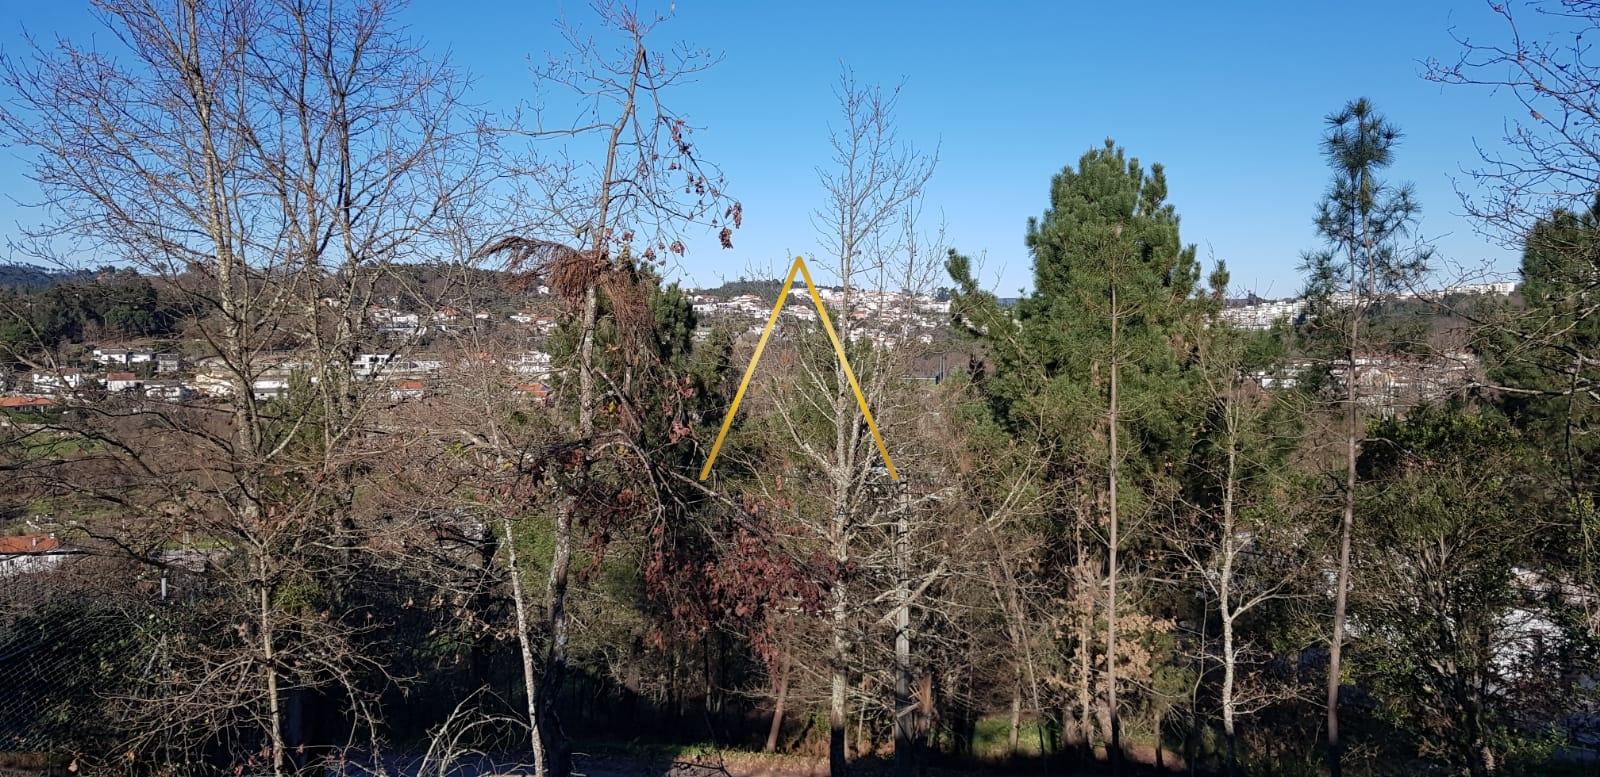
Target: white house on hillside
[51, 381]
[22, 554]
[122, 356]
[117, 382]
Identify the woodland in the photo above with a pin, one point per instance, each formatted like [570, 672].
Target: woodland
[1119, 535]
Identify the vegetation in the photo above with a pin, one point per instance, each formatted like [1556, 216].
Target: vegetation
[1126, 536]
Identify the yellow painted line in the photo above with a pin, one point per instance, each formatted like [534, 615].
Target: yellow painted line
[799, 266]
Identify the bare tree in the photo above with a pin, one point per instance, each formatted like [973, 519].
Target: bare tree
[872, 189]
[626, 205]
[1550, 157]
[266, 161]
[1239, 547]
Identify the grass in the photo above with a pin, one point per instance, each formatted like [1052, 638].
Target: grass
[991, 738]
[58, 447]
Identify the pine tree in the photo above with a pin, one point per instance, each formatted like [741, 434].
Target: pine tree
[1094, 360]
[1543, 359]
[1362, 220]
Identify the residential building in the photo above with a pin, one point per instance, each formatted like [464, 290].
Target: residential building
[56, 381]
[26, 404]
[406, 389]
[123, 357]
[169, 362]
[119, 382]
[27, 553]
[168, 390]
[213, 385]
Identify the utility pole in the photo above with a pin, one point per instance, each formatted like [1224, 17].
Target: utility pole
[905, 708]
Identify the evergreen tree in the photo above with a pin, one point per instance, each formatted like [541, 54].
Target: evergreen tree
[1094, 360]
[1465, 623]
[1544, 360]
[1547, 354]
[1361, 219]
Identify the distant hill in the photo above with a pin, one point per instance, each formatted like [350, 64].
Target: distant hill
[765, 289]
[27, 276]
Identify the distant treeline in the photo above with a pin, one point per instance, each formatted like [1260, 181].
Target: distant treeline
[47, 309]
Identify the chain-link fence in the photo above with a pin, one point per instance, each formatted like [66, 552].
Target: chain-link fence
[66, 631]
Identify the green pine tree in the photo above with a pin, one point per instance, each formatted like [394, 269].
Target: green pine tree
[1094, 362]
[1362, 220]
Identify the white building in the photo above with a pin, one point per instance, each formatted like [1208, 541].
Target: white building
[267, 387]
[1499, 288]
[23, 554]
[119, 382]
[1263, 314]
[395, 322]
[122, 356]
[57, 380]
[406, 389]
[213, 385]
[803, 312]
[369, 364]
[168, 390]
[534, 364]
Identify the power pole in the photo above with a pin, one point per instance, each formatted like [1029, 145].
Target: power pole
[905, 709]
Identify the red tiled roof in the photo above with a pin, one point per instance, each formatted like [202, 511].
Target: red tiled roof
[28, 543]
[121, 376]
[409, 385]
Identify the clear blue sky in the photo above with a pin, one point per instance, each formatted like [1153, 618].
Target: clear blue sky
[1230, 99]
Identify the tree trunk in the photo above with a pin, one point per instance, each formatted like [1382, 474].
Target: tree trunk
[863, 744]
[1113, 718]
[837, 713]
[1085, 737]
[269, 671]
[1161, 721]
[1361, 293]
[561, 557]
[844, 423]
[1225, 593]
[556, 662]
[1346, 527]
[926, 704]
[782, 697]
[1015, 737]
[529, 684]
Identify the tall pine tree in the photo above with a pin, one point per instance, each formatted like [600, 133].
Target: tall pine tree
[1094, 364]
[1362, 220]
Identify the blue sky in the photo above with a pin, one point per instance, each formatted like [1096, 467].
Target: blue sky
[1230, 99]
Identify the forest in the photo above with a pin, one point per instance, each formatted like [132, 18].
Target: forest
[1117, 534]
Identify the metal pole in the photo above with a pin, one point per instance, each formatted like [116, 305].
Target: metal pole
[904, 706]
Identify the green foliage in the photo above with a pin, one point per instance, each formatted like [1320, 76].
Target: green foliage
[113, 304]
[991, 738]
[1462, 624]
[1550, 349]
[1362, 220]
[65, 658]
[1107, 247]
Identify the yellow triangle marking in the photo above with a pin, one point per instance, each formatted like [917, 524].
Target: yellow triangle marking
[799, 266]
